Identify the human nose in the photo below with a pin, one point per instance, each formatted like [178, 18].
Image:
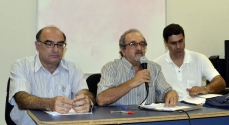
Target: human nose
[138, 45]
[178, 45]
[55, 47]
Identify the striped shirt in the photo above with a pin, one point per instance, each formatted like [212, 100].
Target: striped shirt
[120, 71]
[30, 76]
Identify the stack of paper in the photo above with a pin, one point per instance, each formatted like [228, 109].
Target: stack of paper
[199, 99]
[161, 107]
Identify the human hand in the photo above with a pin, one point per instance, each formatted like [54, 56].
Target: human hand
[196, 90]
[141, 77]
[81, 103]
[171, 98]
[61, 104]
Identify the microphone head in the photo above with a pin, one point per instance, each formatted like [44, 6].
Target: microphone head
[143, 59]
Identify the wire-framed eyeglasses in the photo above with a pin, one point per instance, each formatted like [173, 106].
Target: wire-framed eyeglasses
[51, 44]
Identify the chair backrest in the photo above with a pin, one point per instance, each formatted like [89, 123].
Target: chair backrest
[8, 106]
[92, 82]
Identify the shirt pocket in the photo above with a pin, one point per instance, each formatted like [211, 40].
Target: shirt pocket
[64, 90]
[191, 83]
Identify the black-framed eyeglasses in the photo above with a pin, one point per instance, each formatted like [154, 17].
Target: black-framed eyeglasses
[135, 44]
[51, 44]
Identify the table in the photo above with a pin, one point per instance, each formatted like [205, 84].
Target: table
[101, 115]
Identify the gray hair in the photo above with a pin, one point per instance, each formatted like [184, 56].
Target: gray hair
[122, 40]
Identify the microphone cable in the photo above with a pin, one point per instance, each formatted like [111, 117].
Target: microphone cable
[147, 93]
[180, 110]
[143, 61]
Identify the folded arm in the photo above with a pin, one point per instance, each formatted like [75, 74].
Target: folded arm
[59, 104]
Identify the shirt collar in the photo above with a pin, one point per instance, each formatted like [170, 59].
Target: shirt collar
[38, 64]
[127, 64]
[187, 58]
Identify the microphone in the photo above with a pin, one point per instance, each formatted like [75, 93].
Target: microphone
[143, 61]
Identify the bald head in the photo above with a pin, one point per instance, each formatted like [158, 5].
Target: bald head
[47, 29]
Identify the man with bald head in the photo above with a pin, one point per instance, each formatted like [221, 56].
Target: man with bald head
[46, 81]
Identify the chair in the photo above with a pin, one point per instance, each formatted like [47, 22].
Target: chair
[8, 107]
[92, 82]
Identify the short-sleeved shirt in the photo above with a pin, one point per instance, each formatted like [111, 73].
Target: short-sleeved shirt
[29, 75]
[195, 67]
[120, 71]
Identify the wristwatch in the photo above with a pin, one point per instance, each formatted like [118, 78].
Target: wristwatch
[206, 89]
[92, 106]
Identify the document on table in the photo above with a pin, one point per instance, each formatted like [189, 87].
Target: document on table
[161, 107]
[71, 112]
[199, 99]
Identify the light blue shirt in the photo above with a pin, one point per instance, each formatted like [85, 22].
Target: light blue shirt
[29, 75]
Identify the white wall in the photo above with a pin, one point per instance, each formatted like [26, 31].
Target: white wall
[204, 21]
[96, 37]
[17, 36]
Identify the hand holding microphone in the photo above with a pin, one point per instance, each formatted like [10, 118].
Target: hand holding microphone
[142, 76]
[144, 61]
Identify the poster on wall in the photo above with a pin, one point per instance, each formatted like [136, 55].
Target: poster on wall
[93, 27]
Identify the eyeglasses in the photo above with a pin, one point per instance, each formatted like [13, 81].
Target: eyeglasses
[51, 44]
[135, 44]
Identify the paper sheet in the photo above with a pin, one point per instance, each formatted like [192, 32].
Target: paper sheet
[161, 107]
[195, 100]
[199, 99]
[71, 112]
[209, 95]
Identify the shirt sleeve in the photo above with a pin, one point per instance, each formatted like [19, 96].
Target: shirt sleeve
[208, 70]
[18, 81]
[161, 86]
[107, 78]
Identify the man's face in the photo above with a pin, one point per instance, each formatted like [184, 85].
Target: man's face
[50, 55]
[176, 44]
[135, 47]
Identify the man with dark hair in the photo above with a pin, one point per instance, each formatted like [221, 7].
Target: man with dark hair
[46, 81]
[123, 81]
[184, 69]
